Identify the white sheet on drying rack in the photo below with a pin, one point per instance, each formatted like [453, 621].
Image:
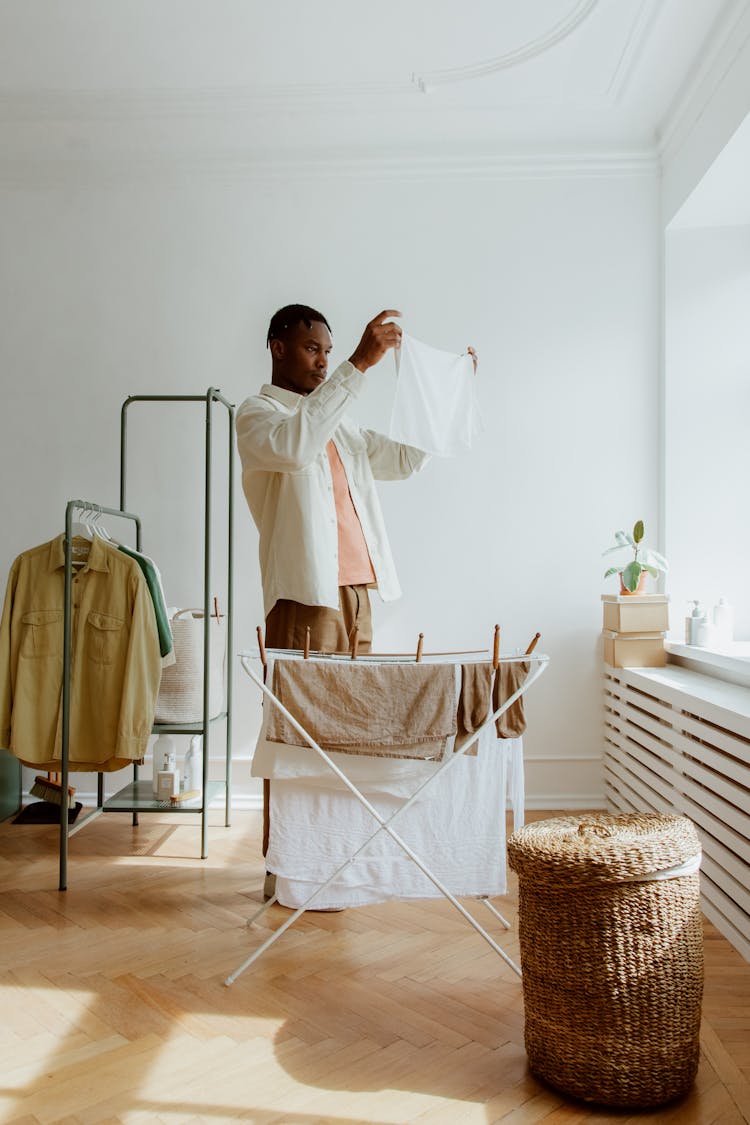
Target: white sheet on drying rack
[458, 821]
[460, 827]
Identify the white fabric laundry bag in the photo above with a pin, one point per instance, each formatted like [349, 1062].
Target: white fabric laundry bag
[435, 408]
[181, 690]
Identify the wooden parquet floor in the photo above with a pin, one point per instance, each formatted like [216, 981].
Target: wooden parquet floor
[114, 1007]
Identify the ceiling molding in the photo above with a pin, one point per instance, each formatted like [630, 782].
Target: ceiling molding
[403, 167]
[31, 106]
[27, 107]
[632, 52]
[535, 47]
[715, 61]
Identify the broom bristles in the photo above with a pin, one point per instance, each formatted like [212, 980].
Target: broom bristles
[48, 790]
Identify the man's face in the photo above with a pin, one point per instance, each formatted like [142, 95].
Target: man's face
[300, 362]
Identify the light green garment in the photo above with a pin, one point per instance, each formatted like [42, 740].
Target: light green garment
[151, 574]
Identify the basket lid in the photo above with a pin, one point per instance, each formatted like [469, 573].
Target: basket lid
[602, 848]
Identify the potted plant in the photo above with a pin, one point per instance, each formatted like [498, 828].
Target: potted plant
[644, 561]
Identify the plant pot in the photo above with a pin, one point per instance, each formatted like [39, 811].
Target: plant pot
[640, 588]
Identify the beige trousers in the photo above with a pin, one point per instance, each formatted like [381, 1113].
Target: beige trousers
[330, 629]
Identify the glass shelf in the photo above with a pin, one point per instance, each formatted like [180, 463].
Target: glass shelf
[139, 797]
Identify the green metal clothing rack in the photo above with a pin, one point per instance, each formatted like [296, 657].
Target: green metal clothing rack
[138, 796]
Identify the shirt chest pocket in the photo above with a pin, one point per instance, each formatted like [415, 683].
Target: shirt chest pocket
[42, 633]
[104, 635]
[352, 443]
[353, 453]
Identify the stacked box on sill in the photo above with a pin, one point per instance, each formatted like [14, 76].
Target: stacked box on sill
[634, 627]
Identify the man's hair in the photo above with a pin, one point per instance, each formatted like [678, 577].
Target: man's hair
[289, 317]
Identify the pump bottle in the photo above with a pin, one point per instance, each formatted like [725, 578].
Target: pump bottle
[165, 760]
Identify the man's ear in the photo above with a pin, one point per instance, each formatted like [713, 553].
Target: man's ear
[277, 349]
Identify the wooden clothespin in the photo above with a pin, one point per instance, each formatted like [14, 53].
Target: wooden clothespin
[262, 650]
[420, 643]
[354, 642]
[496, 648]
[306, 652]
[216, 613]
[533, 644]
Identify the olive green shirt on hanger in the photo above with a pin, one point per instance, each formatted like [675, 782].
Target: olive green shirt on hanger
[115, 661]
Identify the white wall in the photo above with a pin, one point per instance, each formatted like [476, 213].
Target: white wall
[707, 404]
[165, 285]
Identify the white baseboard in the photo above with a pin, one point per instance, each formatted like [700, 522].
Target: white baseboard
[253, 802]
[247, 802]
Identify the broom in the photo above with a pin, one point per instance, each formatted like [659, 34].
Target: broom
[48, 789]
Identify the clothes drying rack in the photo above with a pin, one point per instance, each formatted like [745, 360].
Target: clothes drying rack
[537, 665]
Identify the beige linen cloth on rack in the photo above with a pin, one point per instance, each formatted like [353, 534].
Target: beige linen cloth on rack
[402, 711]
[473, 702]
[508, 679]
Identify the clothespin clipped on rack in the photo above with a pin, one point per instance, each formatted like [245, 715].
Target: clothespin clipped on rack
[420, 643]
[306, 652]
[354, 642]
[496, 648]
[216, 613]
[533, 644]
[262, 650]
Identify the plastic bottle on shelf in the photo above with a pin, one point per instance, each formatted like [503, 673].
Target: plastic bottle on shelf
[724, 621]
[165, 758]
[192, 768]
[693, 623]
[706, 633]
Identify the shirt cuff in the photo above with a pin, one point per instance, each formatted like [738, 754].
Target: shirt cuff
[352, 379]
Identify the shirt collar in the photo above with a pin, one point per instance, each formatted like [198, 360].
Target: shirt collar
[282, 395]
[97, 559]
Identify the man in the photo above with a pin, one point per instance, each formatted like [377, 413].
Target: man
[308, 475]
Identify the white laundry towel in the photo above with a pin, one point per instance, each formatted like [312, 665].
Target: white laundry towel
[435, 408]
[459, 834]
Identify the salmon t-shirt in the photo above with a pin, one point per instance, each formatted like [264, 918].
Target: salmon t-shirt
[355, 565]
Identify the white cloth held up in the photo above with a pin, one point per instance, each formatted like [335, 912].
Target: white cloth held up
[435, 408]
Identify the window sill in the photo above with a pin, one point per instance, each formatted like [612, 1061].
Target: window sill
[730, 664]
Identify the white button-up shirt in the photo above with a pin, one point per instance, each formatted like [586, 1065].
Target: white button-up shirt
[286, 477]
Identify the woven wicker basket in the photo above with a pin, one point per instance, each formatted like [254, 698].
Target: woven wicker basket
[611, 955]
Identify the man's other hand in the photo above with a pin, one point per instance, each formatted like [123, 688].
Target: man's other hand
[474, 358]
[377, 339]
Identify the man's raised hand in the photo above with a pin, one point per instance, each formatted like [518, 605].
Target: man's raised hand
[377, 339]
